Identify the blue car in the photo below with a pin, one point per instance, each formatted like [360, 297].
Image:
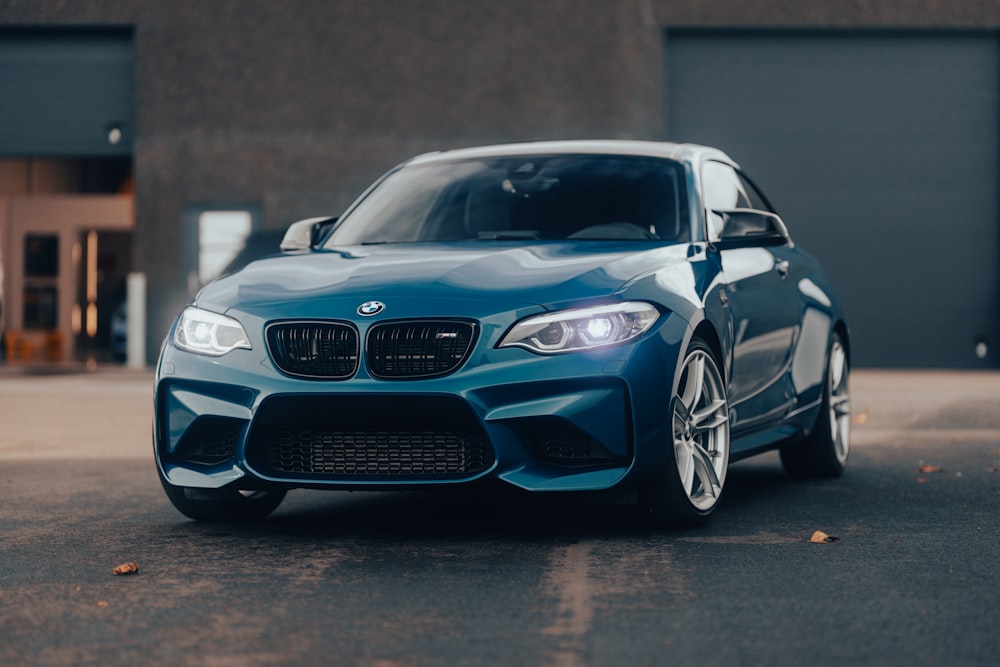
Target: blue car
[613, 319]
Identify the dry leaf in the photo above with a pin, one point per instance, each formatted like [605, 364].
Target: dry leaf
[126, 568]
[928, 469]
[921, 480]
[819, 537]
[102, 603]
[861, 418]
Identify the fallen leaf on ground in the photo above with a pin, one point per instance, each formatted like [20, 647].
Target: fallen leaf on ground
[928, 469]
[921, 480]
[102, 603]
[819, 537]
[861, 418]
[125, 568]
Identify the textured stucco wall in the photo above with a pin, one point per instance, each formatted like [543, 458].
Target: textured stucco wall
[297, 105]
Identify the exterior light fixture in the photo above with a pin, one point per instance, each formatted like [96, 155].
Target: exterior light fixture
[115, 134]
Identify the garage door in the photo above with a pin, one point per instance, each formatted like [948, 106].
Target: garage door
[66, 92]
[881, 151]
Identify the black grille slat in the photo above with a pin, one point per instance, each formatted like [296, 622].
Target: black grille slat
[366, 454]
[327, 350]
[418, 349]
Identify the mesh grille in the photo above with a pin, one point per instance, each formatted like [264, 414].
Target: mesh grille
[400, 350]
[367, 437]
[211, 440]
[368, 454]
[559, 442]
[327, 350]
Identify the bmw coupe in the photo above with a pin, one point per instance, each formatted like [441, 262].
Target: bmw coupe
[620, 319]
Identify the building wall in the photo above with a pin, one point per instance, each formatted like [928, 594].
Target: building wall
[296, 106]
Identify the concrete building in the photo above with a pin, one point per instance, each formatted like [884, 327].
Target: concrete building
[153, 136]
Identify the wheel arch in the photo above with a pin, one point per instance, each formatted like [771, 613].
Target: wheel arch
[707, 333]
[840, 328]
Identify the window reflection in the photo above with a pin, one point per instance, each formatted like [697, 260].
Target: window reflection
[221, 236]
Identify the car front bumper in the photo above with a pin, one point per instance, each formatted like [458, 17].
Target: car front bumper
[577, 422]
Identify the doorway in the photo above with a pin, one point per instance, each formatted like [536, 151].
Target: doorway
[56, 244]
[98, 319]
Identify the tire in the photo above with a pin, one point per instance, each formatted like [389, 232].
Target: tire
[222, 505]
[824, 452]
[691, 485]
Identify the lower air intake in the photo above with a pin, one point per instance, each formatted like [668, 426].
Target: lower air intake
[297, 451]
[368, 438]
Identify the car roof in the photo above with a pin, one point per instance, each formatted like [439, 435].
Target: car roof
[692, 153]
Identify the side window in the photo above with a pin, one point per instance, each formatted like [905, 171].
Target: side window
[757, 199]
[722, 190]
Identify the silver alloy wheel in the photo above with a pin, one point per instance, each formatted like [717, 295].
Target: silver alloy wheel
[701, 430]
[840, 402]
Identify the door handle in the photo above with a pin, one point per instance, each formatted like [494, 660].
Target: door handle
[782, 268]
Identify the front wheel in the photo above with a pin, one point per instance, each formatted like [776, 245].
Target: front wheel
[222, 505]
[824, 452]
[691, 485]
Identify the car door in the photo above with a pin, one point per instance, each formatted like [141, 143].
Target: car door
[764, 304]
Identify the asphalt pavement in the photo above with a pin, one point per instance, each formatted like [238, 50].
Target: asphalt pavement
[394, 580]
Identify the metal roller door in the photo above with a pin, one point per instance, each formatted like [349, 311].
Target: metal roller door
[66, 92]
[881, 151]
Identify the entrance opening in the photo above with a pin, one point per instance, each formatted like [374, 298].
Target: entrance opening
[99, 314]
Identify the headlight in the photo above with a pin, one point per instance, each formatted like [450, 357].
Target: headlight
[209, 333]
[582, 328]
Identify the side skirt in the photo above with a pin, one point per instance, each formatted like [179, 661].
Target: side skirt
[758, 442]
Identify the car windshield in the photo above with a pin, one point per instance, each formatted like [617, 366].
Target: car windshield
[525, 197]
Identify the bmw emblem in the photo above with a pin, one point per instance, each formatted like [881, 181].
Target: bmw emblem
[369, 308]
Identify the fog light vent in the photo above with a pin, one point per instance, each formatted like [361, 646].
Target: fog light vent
[210, 440]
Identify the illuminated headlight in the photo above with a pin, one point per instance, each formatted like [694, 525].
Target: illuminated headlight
[209, 333]
[582, 328]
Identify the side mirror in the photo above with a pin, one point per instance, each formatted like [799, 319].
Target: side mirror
[305, 234]
[747, 228]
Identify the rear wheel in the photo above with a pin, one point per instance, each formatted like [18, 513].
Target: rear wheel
[691, 485]
[824, 452]
[222, 504]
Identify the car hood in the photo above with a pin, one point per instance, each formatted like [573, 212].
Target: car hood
[498, 272]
